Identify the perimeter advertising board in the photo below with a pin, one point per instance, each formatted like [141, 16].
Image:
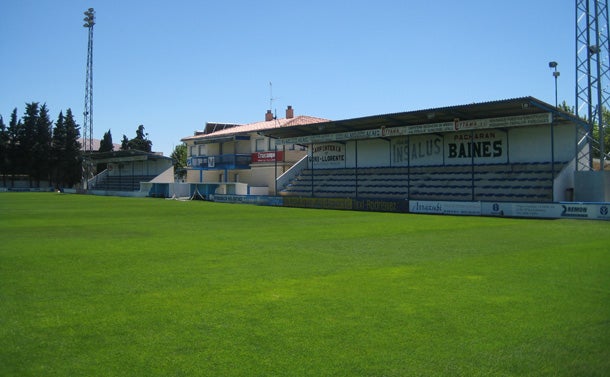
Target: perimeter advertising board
[248, 199]
[445, 208]
[567, 210]
[373, 205]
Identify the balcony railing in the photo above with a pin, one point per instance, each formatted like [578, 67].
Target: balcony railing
[219, 162]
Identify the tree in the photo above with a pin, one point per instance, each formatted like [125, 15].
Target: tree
[105, 146]
[73, 157]
[15, 129]
[106, 143]
[140, 142]
[4, 148]
[125, 143]
[27, 139]
[42, 146]
[32, 146]
[58, 150]
[179, 157]
[566, 108]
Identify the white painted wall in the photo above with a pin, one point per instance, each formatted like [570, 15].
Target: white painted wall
[373, 153]
[531, 144]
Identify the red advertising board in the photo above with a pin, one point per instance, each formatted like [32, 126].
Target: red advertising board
[267, 156]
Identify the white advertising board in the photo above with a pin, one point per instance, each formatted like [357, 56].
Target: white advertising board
[588, 211]
[445, 208]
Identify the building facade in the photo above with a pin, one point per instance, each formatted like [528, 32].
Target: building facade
[239, 159]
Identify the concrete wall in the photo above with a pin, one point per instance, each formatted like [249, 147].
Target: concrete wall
[592, 186]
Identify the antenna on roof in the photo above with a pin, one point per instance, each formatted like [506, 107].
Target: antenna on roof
[271, 99]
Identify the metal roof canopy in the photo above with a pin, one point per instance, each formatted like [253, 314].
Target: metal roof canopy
[125, 156]
[494, 109]
[221, 139]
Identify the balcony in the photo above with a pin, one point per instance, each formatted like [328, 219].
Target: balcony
[220, 162]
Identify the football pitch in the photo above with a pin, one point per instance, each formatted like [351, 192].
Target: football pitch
[107, 286]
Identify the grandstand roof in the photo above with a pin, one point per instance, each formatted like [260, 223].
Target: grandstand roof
[494, 109]
[128, 155]
[234, 130]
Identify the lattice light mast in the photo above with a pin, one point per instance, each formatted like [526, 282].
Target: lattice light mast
[88, 113]
[592, 77]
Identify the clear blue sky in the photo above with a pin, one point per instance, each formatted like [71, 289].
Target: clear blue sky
[173, 65]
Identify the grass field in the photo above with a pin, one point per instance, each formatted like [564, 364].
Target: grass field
[102, 286]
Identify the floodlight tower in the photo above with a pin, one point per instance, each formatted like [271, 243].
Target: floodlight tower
[88, 113]
[592, 77]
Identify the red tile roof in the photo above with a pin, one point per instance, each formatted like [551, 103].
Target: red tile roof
[299, 120]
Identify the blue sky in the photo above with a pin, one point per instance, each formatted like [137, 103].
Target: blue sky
[172, 66]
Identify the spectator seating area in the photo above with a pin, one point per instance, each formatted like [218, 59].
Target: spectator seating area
[490, 182]
[122, 183]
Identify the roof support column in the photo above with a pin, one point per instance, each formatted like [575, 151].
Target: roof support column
[409, 167]
[311, 149]
[356, 166]
[472, 162]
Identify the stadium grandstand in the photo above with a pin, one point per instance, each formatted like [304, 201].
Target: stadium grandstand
[514, 149]
[124, 171]
[497, 153]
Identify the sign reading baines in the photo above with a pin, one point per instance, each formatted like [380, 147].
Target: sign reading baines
[328, 155]
[484, 146]
[488, 146]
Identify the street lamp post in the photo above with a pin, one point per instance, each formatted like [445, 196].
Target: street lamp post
[553, 65]
[555, 75]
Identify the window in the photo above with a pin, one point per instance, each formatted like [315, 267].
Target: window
[261, 145]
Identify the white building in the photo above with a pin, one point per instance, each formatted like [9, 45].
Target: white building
[239, 159]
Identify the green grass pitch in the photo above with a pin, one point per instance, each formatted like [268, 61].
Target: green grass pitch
[105, 286]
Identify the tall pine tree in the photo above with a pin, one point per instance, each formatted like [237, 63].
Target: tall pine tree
[106, 143]
[42, 146]
[73, 156]
[58, 151]
[125, 143]
[4, 147]
[15, 130]
[27, 139]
